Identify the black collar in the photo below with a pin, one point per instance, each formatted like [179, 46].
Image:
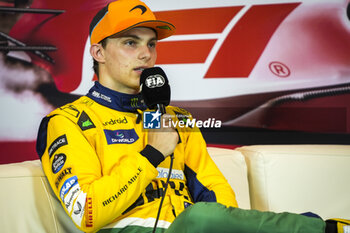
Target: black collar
[116, 100]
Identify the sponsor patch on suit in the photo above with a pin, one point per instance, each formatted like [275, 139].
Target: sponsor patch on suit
[121, 136]
[59, 142]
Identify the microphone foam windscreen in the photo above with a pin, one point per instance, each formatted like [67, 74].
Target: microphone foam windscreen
[155, 87]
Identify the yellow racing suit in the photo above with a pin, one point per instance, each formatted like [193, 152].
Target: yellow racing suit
[95, 155]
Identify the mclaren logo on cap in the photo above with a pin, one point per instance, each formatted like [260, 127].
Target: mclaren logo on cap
[165, 27]
[142, 8]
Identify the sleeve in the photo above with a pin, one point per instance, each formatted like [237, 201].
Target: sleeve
[74, 172]
[204, 180]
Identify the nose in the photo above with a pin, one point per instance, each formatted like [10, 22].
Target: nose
[145, 53]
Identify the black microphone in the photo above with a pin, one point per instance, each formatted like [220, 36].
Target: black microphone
[155, 91]
[155, 88]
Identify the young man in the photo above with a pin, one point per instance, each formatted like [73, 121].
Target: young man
[100, 162]
[109, 173]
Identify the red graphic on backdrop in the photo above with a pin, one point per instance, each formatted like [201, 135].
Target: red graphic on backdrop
[236, 58]
[279, 69]
[241, 49]
[68, 32]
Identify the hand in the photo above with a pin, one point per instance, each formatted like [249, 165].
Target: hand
[163, 139]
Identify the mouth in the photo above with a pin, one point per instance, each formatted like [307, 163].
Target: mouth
[140, 69]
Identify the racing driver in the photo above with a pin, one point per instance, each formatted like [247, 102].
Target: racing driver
[109, 173]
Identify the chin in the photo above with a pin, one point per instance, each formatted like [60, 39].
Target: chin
[136, 89]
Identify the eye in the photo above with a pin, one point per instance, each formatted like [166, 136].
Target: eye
[130, 42]
[152, 44]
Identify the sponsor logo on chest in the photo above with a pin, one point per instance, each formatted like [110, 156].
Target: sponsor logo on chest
[116, 121]
[121, 136]
[175, 174]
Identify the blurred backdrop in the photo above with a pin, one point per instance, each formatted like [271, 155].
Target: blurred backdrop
[273, 71]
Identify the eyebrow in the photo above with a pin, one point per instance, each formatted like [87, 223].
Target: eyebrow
[135, 37]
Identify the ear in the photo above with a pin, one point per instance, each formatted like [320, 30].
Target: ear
[97, 52]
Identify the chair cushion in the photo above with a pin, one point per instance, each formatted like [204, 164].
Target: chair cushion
[28, 203]
[300, 178]
[233, 166]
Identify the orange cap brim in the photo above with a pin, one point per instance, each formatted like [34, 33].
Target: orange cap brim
[121, 16]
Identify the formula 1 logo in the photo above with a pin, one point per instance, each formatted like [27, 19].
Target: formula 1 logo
[229, 40]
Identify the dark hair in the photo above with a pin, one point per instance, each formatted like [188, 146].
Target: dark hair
[93, 23]
[95, 63]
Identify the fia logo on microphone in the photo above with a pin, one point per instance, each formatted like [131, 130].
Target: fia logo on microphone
[156, 80]
[151, 120]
